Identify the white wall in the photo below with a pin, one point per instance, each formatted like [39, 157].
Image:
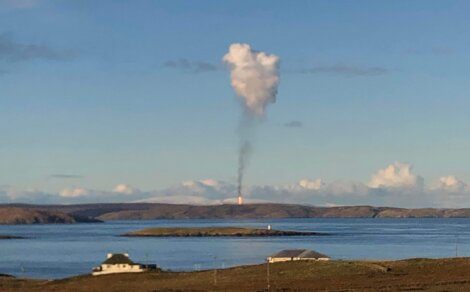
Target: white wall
[119, 268]
[275, 260]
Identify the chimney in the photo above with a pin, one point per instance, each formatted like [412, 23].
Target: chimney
[240, 199]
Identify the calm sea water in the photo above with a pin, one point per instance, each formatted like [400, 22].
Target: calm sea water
[57, 251]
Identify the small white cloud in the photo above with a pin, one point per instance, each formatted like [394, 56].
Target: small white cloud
[74, 192]
[396, 185]
[450, 183]
[396, 175]
[126, 189]
[311, 184]
[210, 182]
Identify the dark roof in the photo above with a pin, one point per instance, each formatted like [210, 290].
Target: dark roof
[118, 258]
[298, 253]
[309, 254]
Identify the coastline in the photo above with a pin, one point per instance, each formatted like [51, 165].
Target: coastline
[92, 213]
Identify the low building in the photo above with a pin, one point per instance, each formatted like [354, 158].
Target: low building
[120, 263]
[297, 255]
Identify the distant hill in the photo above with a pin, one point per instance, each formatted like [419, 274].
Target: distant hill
[32, 215]
[146, 211]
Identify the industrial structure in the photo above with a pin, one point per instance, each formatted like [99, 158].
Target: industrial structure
[240, 199]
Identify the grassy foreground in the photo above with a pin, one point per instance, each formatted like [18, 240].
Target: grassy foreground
[406, 275]
[213, 231]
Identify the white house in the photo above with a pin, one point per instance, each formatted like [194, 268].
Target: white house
[297, 255]
[120, 263]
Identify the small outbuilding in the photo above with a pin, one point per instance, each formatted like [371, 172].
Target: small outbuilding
[120, 263]
[297, 255]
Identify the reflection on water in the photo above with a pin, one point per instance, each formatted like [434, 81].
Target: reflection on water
[56, 251]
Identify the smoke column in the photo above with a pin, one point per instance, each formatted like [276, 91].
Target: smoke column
[245, 133]
[245, 150]
[255, 78]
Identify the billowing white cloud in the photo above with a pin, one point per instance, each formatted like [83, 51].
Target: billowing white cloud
[396, 175]
[312, 184]
[74, 192]
[396, 186]
[126, 189]
[450, 183]
[121, 193]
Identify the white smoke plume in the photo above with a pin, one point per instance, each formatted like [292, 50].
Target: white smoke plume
[255, 78]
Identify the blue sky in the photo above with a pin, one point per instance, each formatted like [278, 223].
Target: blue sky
[94, 93]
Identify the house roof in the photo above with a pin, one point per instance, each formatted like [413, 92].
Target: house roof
[118, 258]
[299, 253]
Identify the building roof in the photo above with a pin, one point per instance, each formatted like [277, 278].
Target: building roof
[299, 253]
[118, 258]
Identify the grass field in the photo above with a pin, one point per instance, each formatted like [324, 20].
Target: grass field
[406, 275]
